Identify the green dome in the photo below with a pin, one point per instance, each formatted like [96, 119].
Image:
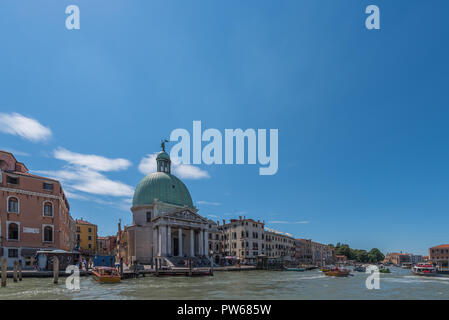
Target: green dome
[164, 187]
[163, 155]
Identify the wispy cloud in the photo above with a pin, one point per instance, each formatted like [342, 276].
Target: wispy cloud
[185, 171]
[15, 152]
[89, 181]
[82, 173]
[27, 128]
[288, 222]
[123, 204]
[208, 203]
[91, 161]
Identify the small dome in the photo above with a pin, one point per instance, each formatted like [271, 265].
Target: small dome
[164, 187]
[163, 155]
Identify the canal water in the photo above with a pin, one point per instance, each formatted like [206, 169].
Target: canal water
[399, 284]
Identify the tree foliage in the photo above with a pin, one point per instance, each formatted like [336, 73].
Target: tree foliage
[359, 255]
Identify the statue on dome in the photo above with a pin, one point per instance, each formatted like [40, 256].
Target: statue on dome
[163, 144]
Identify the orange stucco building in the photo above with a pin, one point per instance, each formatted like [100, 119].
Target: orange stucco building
[34, 213]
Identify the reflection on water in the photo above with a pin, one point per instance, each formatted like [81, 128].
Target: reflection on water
[400, 284]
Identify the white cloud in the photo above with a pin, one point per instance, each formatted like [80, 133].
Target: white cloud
[91, 161]
[122, 204]
[208, 203]
[89, 181]
[27, 128]
[184, 171]
[82, 173]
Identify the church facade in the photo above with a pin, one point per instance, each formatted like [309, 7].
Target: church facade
[165, 222]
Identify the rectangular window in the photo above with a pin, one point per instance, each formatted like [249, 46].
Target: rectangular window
[89, 230]
[13, 253]
[12, 180]
[90, 246]
[149, 216]
[47, 186]
[89, 238]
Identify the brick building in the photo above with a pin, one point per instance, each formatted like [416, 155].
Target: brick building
[34, 213]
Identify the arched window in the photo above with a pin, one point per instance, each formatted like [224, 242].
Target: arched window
[48, 234]
[13, 205]
[48, 209]
[13, 231]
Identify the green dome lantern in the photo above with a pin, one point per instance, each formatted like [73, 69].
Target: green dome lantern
[162, 185]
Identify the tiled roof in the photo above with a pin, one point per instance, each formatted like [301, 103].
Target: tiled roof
[84, 222]
[441, 246]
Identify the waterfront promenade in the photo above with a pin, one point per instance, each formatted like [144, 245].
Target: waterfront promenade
[129, 273]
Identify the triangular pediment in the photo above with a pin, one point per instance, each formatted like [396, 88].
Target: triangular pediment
[186, 214]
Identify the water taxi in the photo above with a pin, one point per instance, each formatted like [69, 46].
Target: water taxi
[106, 274]
[337, 273]
[422, 269]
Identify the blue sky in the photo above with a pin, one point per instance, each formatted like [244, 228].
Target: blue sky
[362, 115]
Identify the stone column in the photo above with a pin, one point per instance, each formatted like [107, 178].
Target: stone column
[155, 242]
[163, 237]
[169, 240]
[180, 242]
[200, 243]
[192, 243]
[159, 240]
[206, 243]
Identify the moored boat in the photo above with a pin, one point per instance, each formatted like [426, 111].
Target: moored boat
[383, 269]
[294, 269]
[106, 275]
[422, 269]
[360, 268]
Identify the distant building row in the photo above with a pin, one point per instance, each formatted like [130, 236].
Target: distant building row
[244, 240]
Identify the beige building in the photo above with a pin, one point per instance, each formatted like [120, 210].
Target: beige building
[279, 245]
[322, 254]
[215, 241]
[243, 239]
[439, 255]
[303, 252]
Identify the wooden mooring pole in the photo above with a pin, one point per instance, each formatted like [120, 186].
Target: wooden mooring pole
[156, 264]
[55, 270]
[211, 267]
[20, 270]
[3, 272]
[15, 271]
[190, 267]
[121, 268]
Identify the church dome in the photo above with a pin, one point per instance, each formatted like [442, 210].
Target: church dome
[162, 185]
